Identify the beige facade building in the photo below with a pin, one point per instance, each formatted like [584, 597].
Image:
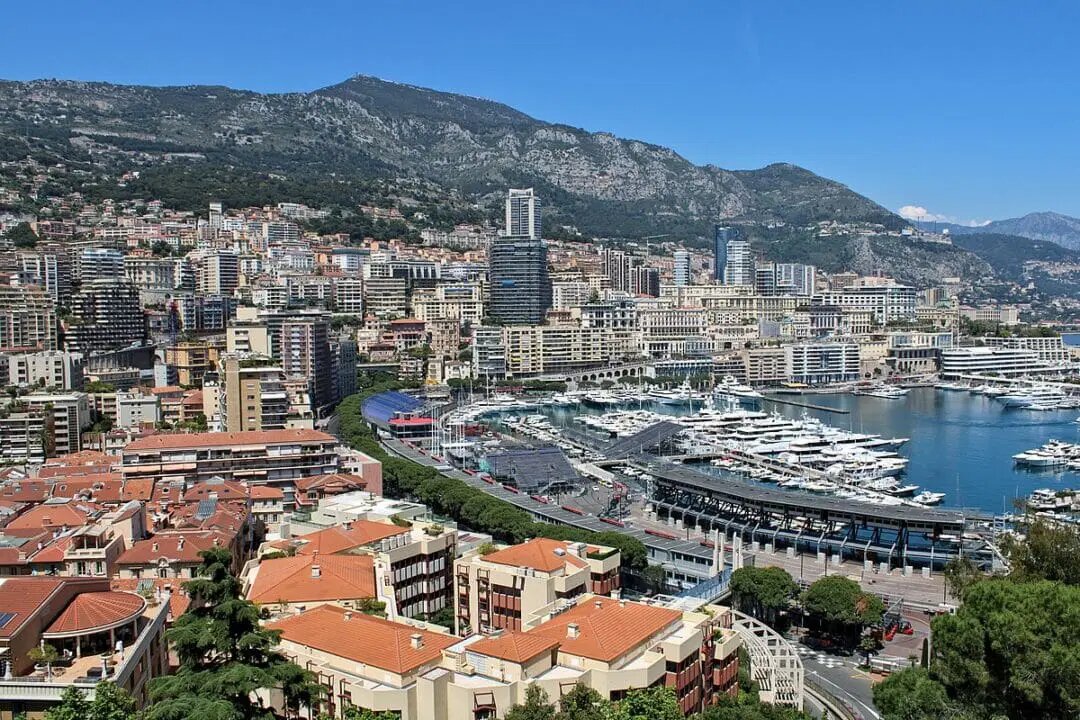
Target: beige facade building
[509, 588]
[612, 646]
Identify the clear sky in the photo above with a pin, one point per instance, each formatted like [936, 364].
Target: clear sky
[968, 109]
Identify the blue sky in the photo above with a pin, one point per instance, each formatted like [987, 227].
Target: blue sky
[966, 109]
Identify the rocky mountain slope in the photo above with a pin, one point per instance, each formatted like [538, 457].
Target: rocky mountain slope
[1049, 226]
[373, 127]
[365, 139]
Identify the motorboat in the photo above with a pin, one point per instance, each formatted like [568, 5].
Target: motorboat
[928, 498]
[881, 390]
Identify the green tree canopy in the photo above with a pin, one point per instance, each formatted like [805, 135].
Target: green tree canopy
[911, 694]
[1049, 552]
[763, 592]
[840, 600]
[225, 655]
[110, 702]
[22, 236]
[1012, 649]
[535, 707]
[657, 703]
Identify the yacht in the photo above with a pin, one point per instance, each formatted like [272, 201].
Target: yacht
[681, 395]
[731, 389]
[881, 390]
[956, 386]
[1039, 394]
[928, 498]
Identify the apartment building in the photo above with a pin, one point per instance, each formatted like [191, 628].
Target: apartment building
[507, 588]
[48, 368]
[251, 396]
[1002, 314]
[1050, 350]
[556, 349]
[463, 302]
[888, 301]
[609, 645]
[22, 435]
[85, 621]
[268, 457]
[192, 360]
[70, 414]
[106, 315]
[822, 363]
[409, 564]
[27, 319]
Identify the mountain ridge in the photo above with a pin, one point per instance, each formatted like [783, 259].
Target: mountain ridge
[1049, 226]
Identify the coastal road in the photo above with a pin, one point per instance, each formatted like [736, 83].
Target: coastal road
[841, 678]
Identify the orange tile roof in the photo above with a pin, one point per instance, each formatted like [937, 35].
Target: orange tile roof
[51, 516]
[538, 554]
[77, 463]
[365, 639]
[225, 490]
[92, 610]
[175, 441]
[342, 539]
[52, 552]
[607, 628]
[336, 481]
[25, 491]
[22, 596]
[514, 646]
[178, 546]
[265, 492]
[137, 489]
[178, 599]
[290, 579]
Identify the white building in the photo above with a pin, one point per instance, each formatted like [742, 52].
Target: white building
[889, 302]
[989, 360]
[523, 214]
[818, 363]
[50, 368]
[739, 268]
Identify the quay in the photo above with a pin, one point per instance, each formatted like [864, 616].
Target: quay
[811, 406]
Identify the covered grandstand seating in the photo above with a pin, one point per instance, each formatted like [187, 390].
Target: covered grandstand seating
[532, 470]
[379, 409]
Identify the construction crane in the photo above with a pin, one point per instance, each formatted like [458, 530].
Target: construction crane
[647, 238]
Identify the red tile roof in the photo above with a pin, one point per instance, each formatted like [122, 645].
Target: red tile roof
[176, 441]
[225, 490]
[514, 647]
[538, 554]
[607, 628]
[51, 516]
[22, 596]
[369, 640]
[97, 611]
[178, 599]
[342, 539]
[78, 463]
[291, 579]
[137, 489]
[265, 492]
[181, 547]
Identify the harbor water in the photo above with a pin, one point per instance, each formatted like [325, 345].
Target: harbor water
[960, 443]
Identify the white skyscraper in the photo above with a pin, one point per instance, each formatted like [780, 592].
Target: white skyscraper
[739, 268]
[682, 267]
[522, 214]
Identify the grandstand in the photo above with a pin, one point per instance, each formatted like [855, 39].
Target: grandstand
[533, 471]
[642, 441]
[382, 408]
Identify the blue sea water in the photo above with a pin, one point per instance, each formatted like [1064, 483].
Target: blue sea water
[960, 444]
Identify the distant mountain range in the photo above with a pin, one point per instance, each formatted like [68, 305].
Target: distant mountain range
[367, 140]
[1048, 226]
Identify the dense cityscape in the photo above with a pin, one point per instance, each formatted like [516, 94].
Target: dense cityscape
[231, 387]
[377, 399]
